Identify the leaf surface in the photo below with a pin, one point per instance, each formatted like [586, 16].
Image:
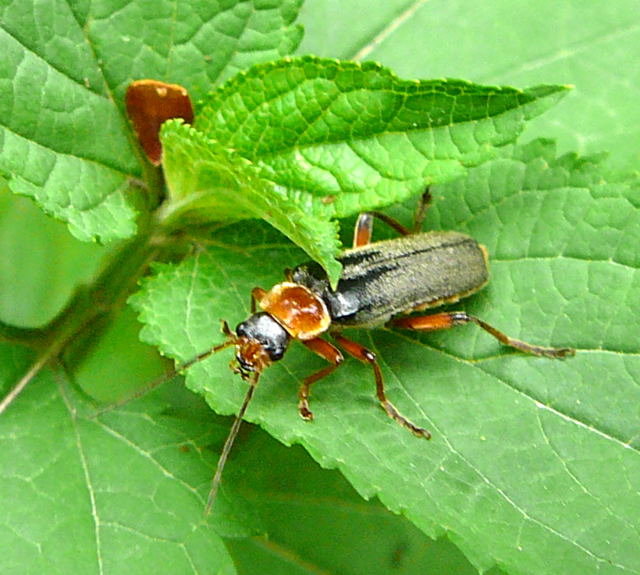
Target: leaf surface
[591, 46]
[563, 242]
[519, 442]
[317, 523]
[71, 148]
[41, 264]
[300, 141]
[120, 493]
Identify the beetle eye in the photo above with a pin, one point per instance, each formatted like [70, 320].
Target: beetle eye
[275, 353]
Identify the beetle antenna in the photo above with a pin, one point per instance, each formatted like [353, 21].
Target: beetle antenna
[164, 377]
[228, 444]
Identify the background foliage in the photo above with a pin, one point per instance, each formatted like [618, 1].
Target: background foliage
[534, 464]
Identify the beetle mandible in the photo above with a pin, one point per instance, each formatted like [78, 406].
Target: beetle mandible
[379, 281]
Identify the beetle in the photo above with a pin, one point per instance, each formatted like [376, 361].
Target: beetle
[379, 282]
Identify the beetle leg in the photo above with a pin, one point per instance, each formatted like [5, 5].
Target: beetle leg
[327, 351]
[421, 211]
[364, 227]
[367, 356]
[364, 224]
[257, 293]
[364, 230]
[447, 320]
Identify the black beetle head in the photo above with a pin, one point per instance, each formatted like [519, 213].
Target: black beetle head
[261, 340]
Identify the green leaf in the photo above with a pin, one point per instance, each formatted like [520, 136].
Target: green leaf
[41, 261]
[589, 45]
[122, 493]
[64, 138]
[291, 481]
[330, 139]
[317, 523]
[195, 44]
[329, 127]
[522, 446]
[221, 185]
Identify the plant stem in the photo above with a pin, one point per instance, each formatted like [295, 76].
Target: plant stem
[83, 319]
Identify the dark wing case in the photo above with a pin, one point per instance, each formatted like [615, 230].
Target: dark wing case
[396, 276]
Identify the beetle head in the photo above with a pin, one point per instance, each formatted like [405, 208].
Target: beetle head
[260, 340]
